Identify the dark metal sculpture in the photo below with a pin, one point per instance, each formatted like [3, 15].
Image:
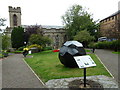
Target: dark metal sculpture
[68, 51]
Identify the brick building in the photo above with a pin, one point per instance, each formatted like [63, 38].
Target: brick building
[110, 26]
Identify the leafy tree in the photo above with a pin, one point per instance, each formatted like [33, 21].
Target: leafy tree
[0, 42]
[84, 37]
[36, 29]
[39, 39]
[5, 42]
[77, 19]
[17, 37]
[2, 20]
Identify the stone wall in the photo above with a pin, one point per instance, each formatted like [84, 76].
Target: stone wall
[17, 12]
[109, 24]
[57, 36]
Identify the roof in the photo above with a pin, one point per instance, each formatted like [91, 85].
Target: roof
[44, 26]
[50, 27]
[114, 14]
[118, 12]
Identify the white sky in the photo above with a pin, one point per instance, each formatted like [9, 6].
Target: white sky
[49, 12]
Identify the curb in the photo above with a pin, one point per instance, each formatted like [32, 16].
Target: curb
[105, 66]
[34, 73]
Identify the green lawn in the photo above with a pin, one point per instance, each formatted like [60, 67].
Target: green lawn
[87, 50]
[116, 52]
[47, 66]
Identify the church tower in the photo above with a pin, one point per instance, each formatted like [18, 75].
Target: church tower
[15, 16]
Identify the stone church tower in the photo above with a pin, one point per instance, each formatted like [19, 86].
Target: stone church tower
[15, 16]
[55, 33]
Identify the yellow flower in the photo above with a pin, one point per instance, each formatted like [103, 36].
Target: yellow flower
[25, 49]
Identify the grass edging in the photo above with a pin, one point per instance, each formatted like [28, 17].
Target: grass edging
[116, 52]
[33, 72]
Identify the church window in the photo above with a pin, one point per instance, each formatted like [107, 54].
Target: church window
[15, 20]
[57, 41]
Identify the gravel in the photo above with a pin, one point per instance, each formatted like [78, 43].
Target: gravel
[107, 82]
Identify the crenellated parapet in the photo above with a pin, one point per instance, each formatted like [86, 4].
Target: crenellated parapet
[14, 9]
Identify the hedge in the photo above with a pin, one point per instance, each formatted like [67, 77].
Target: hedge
[113, 45]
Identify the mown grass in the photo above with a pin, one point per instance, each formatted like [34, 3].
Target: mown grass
[116, 52]
[47, 66]
[87, 50]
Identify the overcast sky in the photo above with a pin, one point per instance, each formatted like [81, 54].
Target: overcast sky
[49, 12]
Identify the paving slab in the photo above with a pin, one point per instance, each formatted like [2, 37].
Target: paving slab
[110, 60]
[16, 74]
[0, 74]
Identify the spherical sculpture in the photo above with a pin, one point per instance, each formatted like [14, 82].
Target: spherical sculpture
[68, 51]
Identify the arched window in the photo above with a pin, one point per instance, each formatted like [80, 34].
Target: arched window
[57, 41]
[15, 20]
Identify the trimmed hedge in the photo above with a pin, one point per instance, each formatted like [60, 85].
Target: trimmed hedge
[47, 48]
[113, 45]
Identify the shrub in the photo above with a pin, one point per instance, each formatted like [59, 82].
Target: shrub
[47, 48]
[35, 45]
[91, 45]
[114, 45]
[21, 48]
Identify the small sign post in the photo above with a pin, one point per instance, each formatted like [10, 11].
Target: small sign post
[84, 62]
[84, 77]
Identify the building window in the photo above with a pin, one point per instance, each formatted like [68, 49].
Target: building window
[112, 17]
[57, 41]
[15, 20]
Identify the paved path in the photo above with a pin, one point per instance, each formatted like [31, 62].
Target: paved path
[16, 74]
[110, 60]
[0, 74]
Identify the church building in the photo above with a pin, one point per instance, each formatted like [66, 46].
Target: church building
[55, 33]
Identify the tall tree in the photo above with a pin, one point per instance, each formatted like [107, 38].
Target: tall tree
[77, 19]
[5, 42]
[17, 37]
[2, 20]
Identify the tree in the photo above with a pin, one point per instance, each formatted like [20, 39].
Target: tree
[39, 39]
[77, 19]
[5, 42]
[17, 37]
[84, 37]
[36, 29]
[2, 20]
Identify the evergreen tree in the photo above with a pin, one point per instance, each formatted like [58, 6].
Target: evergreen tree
[17, 37]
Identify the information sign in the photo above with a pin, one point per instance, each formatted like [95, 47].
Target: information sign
[84, 61]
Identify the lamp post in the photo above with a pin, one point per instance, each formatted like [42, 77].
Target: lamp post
[25, 43]
[95, 30]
